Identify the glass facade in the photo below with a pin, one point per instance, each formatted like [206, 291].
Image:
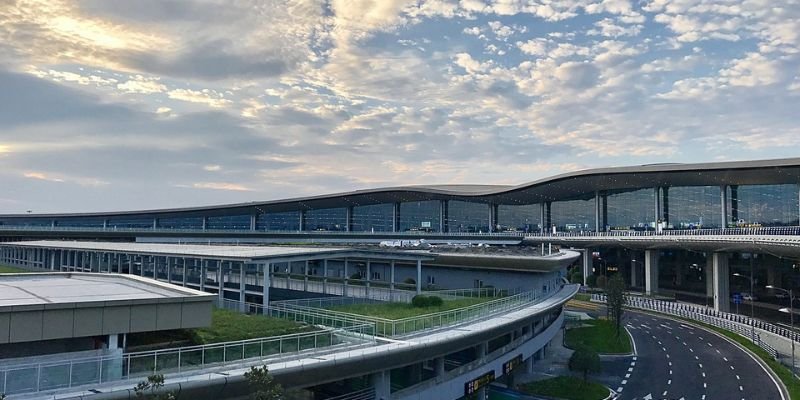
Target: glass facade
[327, 219]
[130, 223]
[373, 218]
[27, 222]
[522, 218]
[573, 215]
[463, 216]
[630, 210]
[82, 222]
[231, 222]
[689, 207]
[763, 205]
[420, 216]
[282, 221]
[181, 223]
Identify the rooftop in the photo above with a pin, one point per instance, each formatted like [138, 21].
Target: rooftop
[72, 288]
[230, 252]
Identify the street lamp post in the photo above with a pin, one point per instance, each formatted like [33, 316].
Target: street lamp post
[752, 300]
[791, 315]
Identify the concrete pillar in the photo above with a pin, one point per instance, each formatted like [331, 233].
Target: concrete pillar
[325, 276]
[382, 382]
[773, 276]
[369, 271]
[183, 277]
[419, 276]
[529, 364]
[113, 342]
[438, 366]
[203, 270]
[391, 280]
[709, 275]
[266, 284]
[242, 287]
[170, 260]
[724, 206]
[346, 278]
[721, 282]
[651, 271]
[587, 264]
[305, 276]
[221, 282]
[634, 281]
[597, 212]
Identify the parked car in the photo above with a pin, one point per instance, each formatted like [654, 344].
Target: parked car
[749, 297]
[781, 295]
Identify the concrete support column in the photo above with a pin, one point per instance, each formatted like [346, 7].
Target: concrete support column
[305, 276]
[242, 287]
[141, 266]
[724, 205]
[346, 278]
[634, 277]
[651, 271]
[438, 366]
[382, 382]
[597, 212]
[221, 281]
[586, 254]
[113, 342]
[325, 276]
[419, 276]
[773, 276]
[721, 282]
[183, 277]
[266, 284]
[368, 277]
[709, 275]
[529, 364]
[203, 269]
[170, 260]
[391, 280]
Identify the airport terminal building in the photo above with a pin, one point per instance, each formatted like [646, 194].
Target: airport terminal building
[680, 196]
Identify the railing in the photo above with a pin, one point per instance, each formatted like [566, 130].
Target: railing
[399, 296]
[732, 322]
[363, 394]
[777, 230]
[96, 370]
[392, 328]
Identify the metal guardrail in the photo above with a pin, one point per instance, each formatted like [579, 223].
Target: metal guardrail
[732, 322]
[45, 376]
[392, 328]
[777, 230]
[363, 394]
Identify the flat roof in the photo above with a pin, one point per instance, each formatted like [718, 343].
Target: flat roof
[63, 288]
[245, 253]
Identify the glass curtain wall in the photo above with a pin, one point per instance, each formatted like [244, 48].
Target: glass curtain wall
[326, 219]
[83, 222]
[280, 221]
[27, 222]
[630, 210]
[522, 218]
[763, 205]
[420, 216]
[231, 222]
[181, 223]
[130, 223]
[373, 218]
[689, 207]
[464, 216]
[573, 215]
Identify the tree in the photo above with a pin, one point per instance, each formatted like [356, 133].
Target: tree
[591, 280]
[602, 281]
[585, 360]
[151, 387]
[576, 277]
[615, 300]
[262, 385]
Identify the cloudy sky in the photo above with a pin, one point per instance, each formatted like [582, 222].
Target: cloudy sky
[145, 104]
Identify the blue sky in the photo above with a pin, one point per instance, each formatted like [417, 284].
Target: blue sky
[149, 104]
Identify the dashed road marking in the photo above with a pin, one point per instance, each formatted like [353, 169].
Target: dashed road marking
[669, 382]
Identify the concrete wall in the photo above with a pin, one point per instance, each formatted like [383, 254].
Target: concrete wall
[47, 322]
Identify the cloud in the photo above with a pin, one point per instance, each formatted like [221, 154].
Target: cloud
[205, 96]
[220, 186]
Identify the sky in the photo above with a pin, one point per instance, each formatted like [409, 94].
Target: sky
[127, 105]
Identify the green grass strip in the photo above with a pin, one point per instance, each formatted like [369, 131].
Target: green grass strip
[11, 270]
[395, 311]
[601, 336]
[566, 387]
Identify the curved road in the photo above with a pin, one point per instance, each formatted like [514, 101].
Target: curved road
[679, 361]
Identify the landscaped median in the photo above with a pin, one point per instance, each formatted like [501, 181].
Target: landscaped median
[599, 335]
[11, 270]
[567, 388]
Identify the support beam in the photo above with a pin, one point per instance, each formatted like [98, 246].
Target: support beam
[391, 280]
[651, 271]
[325, 276]
[221, 282]
[242, 287]
[586, 255]
[419, 276]
[267, 282]
[382, 382]
[721, 282]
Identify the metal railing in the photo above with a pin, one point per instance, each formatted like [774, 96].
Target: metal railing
[398, 327]
[772, 230]
[732, 322]
[97, 370]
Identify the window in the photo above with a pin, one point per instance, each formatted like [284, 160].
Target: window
[431, 280]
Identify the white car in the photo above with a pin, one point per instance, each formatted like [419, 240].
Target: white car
[781, 295]
[749, 297]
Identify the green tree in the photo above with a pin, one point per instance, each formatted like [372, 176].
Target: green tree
[602, 281]
[585, 360]
[615, 301]
[592, 281]
[576, 277]
[151, 387]
[263, 385]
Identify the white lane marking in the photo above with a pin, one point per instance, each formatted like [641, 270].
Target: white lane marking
[696, 357]
[670, 363]
[633, 363]
[664, 394]
[684, 343]
[703, 398]
[701, 366]
[700, 337]
[704, 385]
[731, 366]
[659, 342]
[634, 358]
[624, 381]
[669, 382]
[726, 359]
[619, 389]
[667, 355]
[630, 369]
[704, 374]
[690, 350]
[627, 376]
[741, 388]
[718, 352]
[633, 342]
[737, 377]
[670, 372]
[710, 345]
[663, 349]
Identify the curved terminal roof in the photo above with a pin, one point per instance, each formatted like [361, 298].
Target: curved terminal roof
[564, 186]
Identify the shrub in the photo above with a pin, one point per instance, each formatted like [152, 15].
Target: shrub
[422, 301]
[602, 281]
[585, 360]
[592, 281]
[410, 281]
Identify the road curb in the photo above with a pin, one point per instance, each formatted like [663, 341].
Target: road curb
[773, 375]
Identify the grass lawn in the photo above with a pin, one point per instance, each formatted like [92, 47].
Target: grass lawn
[583, 297]
[600, 336]
[404, 310]
[226, 326]
[566, 387]
[10, 270]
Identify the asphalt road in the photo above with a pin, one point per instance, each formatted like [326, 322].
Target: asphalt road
[679, 361]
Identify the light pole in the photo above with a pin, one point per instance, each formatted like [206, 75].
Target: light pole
[752, 300]
[791, 315]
